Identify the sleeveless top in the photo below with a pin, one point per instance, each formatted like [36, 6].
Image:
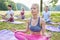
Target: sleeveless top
[22, 13]
[36, 28]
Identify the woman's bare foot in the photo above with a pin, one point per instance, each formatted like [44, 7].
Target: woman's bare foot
[13, 30]
[49, 34]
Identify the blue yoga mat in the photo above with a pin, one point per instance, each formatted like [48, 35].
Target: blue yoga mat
[7, 35]
[53, 28]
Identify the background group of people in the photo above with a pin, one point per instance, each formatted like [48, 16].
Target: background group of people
[9, 16]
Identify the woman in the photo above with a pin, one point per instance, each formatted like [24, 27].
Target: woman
[35, 25]
[22, 14]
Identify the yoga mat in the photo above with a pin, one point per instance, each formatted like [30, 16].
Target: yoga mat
[2, 20]
[15, 18]
[19, 18]
[24, 19]
[7, 35]
[53, 28]
[17, 22]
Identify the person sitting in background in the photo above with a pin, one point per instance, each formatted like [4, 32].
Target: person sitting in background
[46, 15]
[22, 14]
[35, 25]
[9, 14]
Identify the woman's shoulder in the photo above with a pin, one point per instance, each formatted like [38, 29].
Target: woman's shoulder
[28, 20]
[41, 19]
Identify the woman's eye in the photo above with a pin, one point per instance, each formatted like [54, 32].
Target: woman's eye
[33, 8]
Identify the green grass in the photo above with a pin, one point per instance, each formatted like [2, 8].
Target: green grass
[4, 25]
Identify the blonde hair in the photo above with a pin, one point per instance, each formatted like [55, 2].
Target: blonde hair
[36, 6]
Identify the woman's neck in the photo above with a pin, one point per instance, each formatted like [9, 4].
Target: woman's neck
[35, 16]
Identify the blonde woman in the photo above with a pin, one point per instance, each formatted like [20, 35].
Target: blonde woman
[35, 25]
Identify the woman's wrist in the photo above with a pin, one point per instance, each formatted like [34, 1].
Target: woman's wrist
[23, 31]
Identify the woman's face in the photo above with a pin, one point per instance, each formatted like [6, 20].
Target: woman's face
[22, 9]
[34, 10]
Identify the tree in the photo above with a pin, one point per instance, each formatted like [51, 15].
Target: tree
[54, 2]
[4, 4]
[41, 5]
[13, 5]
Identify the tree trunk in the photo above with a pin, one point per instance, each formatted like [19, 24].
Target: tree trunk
[41, 5]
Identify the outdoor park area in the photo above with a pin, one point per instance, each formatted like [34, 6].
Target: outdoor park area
[17, 7]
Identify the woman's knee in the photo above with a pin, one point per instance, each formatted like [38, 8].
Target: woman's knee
[16, 34]
[19, 36]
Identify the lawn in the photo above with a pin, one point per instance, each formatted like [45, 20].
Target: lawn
[55, 17]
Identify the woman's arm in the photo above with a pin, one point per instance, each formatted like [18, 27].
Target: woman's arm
[25, 31]
[27, 27]
[43, 26]
[44, 33]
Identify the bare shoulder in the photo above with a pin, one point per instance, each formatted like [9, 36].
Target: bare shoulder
[28, 21]
[41, 20]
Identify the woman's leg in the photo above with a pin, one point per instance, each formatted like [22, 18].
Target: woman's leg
[22, 16]
[20, 35]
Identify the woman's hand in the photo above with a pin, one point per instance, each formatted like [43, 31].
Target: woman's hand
[49, 34]
[13, 30]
